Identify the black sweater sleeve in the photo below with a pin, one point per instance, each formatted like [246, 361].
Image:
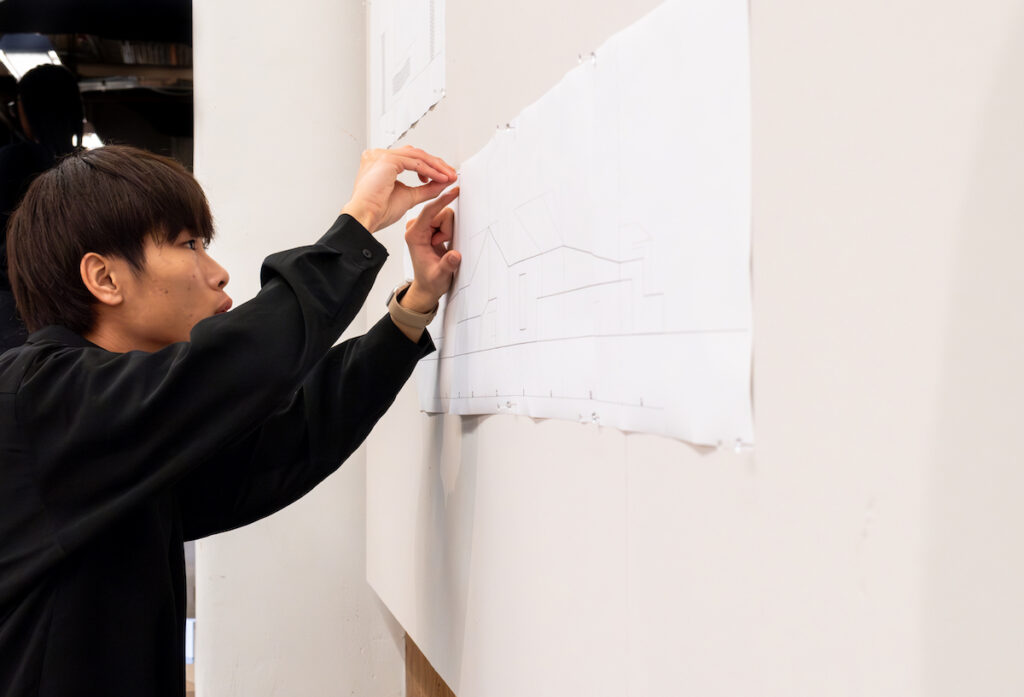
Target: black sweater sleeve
[306, 440]
[102, 432]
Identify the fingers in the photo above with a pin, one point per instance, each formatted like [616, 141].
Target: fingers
[421, 224]
[443, 227]
[432, 209]
[426, 166]
[444, 221]
[434, 162]
[379, 198]
[424, 169]
[440, 237]
[435, 223]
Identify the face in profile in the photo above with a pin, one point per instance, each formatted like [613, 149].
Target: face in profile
[179, 285]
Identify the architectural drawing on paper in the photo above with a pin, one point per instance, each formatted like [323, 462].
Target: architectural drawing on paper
[606, 244]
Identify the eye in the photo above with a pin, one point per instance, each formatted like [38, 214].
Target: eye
[191, 244]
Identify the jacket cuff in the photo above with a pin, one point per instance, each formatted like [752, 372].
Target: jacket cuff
[348, 236]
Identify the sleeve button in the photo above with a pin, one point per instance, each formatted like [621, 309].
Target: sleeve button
[368, 254]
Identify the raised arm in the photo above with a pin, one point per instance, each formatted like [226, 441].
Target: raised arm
[306, 439]
[108, 430]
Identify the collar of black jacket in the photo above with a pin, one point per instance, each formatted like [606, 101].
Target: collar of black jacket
[55, 334]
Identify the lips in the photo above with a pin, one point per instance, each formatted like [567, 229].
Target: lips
[225, 307]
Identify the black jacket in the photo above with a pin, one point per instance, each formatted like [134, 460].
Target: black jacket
[108, 462]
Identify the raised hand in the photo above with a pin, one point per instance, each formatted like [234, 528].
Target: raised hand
[433, 264]
[379, 199]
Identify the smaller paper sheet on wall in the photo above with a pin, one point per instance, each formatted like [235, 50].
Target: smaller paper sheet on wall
[406, 74]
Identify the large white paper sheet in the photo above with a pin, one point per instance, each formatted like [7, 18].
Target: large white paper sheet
[606, 243]
[406, 65]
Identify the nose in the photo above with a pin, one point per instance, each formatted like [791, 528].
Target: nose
[217, 274]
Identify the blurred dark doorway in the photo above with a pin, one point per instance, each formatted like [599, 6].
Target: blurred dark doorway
[133, 61]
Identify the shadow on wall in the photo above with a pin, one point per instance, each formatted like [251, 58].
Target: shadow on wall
[453, 461]
[190, 579]
[974, 612]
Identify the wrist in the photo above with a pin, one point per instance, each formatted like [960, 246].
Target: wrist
[362, 215]
[418, 300]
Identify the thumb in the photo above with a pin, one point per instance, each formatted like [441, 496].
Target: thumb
[427, 192]
[451, 260]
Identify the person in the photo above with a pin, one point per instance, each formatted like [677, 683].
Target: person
[140, 413]
[49, 111]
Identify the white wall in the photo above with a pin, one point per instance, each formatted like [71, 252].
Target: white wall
[871, 544]
[283, 607]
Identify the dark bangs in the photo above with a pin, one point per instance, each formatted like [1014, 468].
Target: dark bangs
[108, 201]
[142, 194]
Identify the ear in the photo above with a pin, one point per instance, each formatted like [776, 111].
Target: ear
[101, 278]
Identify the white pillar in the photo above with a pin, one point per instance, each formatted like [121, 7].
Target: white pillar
[283, 606]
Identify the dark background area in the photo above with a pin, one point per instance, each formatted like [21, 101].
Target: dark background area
[142, 20]
[133, 59]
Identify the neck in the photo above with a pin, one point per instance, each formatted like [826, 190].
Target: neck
[109, 336]
[104, 341]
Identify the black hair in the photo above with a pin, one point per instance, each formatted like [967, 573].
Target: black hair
[108, 201]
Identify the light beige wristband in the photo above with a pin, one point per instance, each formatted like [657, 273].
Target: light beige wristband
[405, 316]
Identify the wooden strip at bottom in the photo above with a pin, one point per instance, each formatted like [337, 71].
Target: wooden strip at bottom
[421, 680]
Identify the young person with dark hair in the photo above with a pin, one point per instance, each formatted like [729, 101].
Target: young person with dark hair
[49, 111]
[140, 413]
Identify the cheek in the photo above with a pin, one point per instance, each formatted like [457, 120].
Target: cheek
[187, 281]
